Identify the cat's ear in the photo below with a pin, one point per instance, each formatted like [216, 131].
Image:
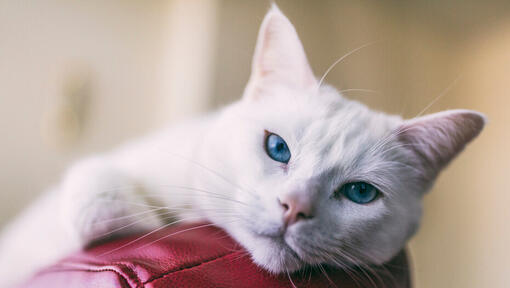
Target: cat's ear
[437, 138]
[279, 55]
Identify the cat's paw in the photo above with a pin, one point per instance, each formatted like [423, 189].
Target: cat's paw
[99, 201]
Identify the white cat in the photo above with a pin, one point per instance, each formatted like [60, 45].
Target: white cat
[296, 173]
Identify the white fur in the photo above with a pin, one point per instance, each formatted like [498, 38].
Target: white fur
[216, 168]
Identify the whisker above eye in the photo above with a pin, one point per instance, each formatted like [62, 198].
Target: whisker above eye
[441, 95]
[340, 60]
[359, 90]
[397, 132]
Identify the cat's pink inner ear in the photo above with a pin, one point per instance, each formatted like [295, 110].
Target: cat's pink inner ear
[437, 138]
[279, 55]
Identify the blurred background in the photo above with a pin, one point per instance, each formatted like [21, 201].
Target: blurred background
[79, 77]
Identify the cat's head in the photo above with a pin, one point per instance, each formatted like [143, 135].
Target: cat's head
[317, 178]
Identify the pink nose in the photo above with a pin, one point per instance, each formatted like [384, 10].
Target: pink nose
[295, 209]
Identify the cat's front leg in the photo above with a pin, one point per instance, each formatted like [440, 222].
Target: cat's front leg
[98, 201]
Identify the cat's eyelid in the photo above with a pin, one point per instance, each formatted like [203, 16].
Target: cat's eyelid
[268, 132]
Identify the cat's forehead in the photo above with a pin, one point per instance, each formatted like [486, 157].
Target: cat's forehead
[322, 127]
[344, 134]
[317, 114]
[286, 108]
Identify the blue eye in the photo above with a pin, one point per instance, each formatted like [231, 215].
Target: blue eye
[359, 192]
[277, 149]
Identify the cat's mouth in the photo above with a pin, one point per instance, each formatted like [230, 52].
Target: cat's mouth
[290, 249]
[273, 251]
[279, 239]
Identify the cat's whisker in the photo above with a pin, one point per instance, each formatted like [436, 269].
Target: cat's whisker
[383, 141]
[367, 271]
[167, 210]
[346, 268]
[360, 90]
[340, 60]
[443, 93]
[135, 222]
[389, 164]
[171, 186]
[131, 203]
[387, 275]
[402, 145]
[352, 272]
[176, 207]
[175, 233]
[172, 214]
[394, 135]
[130, 216]
[329, 255]
[205, 192]
[149, 233]
[324, 256]
[241, 256]
[390, 137]
[323, 271]
[131, 224]
[290, 278]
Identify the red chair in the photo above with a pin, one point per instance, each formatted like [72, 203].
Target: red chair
[197, 256]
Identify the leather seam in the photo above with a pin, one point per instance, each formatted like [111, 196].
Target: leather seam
[66, 269]
[69, 267]
[191, 267]
[133, 273]
[105, 263]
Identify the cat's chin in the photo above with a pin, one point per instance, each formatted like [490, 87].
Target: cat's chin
[275, 255]
[269, 252]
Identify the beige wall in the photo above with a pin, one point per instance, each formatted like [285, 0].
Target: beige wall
[44, 47]
[147, 62]
[133, 65]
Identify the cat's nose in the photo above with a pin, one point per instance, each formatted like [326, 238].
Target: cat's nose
[295, 209]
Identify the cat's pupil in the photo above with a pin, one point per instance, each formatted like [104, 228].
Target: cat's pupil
[362, 189]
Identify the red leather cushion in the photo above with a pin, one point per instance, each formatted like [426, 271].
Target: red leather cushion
[195, 256]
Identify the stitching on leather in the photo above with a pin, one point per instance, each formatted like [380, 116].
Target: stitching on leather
[188, 267]
[118, 263]
[125, 268]
[132, 272]
[57, 270]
